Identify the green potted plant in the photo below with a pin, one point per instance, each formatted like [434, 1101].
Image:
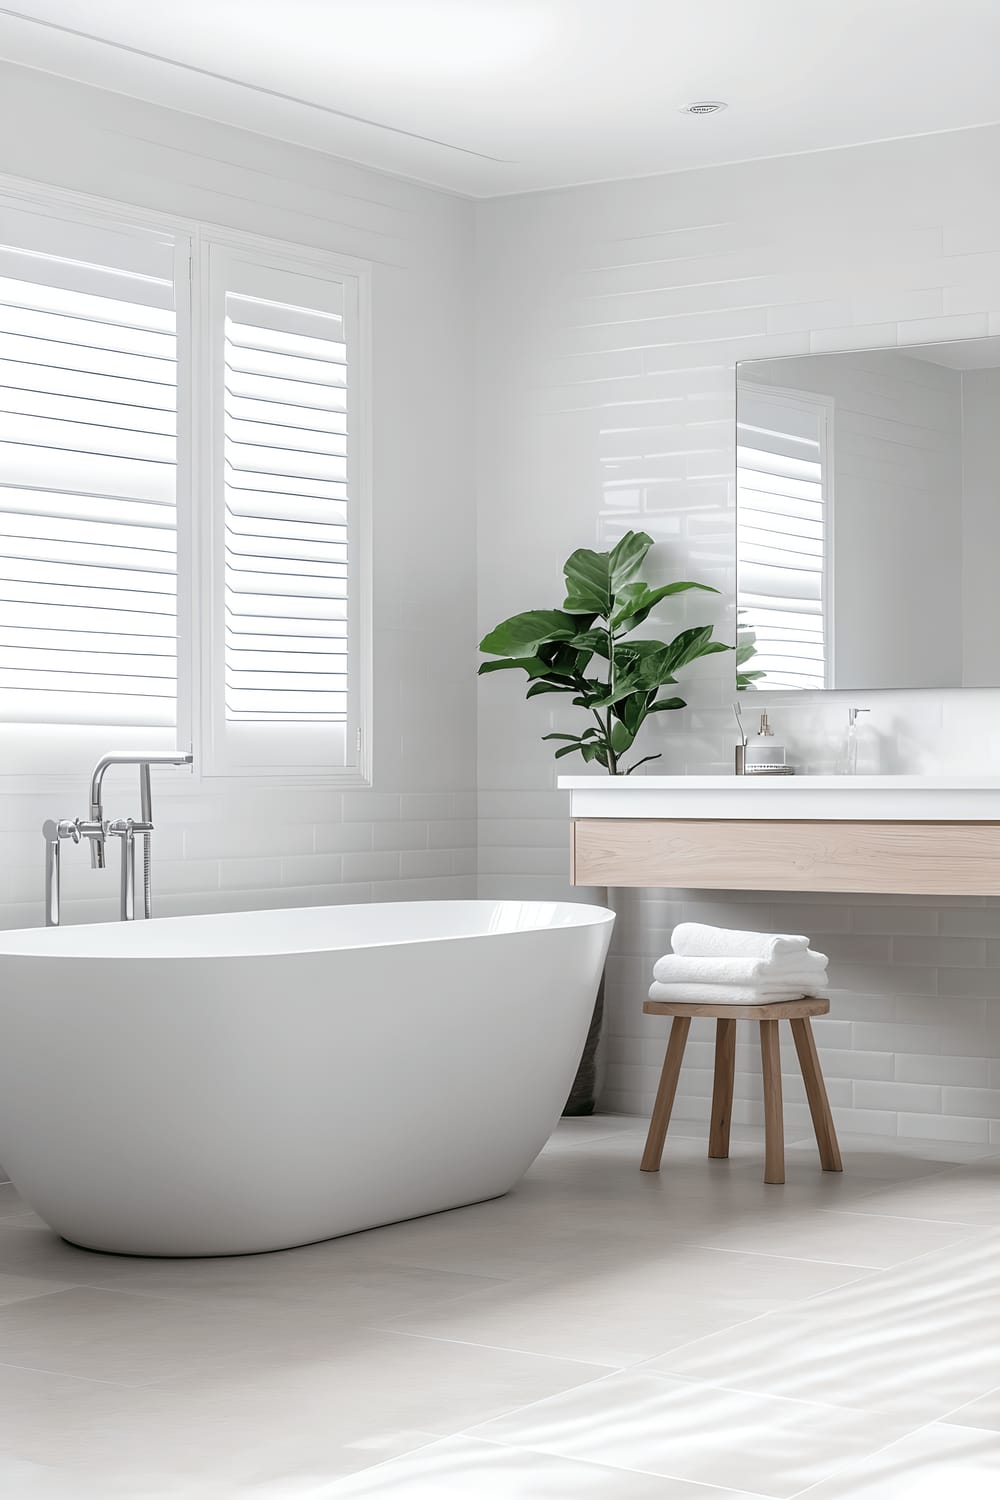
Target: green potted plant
[561, 649]
[586, 649]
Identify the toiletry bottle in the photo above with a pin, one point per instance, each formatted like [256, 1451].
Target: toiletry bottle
[741, 748]
[763, 754]
[858, 757]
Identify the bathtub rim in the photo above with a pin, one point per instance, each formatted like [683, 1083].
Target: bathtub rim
[56, 944]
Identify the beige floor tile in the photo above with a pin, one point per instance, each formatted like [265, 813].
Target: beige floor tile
[10, 1201]
[612, 1318]
[134, 1340]
[683, 1430]
[587, 1130]
[467, 1469]
[277, 1377]
[128, 1339]
[207, 1439]
[914, 1342]
[985, 1412]
[331, 1276]
[29, 1248]
[897, 1157]
[18, 1288]
[246, 1423]
[515, 1236]
[936, 1463]
[849, 1238]
[965, 1195]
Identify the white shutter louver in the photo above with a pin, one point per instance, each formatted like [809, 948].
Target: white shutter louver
[286, 534]
[88, 402]
[781, 539]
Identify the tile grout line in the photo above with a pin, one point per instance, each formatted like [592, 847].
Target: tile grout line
[710, 1489]
[846, 1472]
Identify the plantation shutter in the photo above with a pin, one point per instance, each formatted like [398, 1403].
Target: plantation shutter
[88, 402]
[286, 573]
[782, 539]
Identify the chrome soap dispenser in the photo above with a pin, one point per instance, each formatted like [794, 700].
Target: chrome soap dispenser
[852, 743]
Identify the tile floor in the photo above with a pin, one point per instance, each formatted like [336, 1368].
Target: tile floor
[596, 1335]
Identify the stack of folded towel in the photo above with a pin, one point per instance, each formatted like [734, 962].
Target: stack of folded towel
[737, 968]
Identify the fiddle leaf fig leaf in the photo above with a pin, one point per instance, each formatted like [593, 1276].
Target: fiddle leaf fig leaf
[594, 750]
[521, 635]
[563, 660]
[634, 603]
[538, 688]
[594, 641]
[649, 663]
[633, 711]
[588, 582]
[621, 737]
[627, 558]
[691, 644]
[529, 664]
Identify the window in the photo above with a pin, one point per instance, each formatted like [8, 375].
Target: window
[88, 370]
[183, 513]
[783, 543]
[287, 533]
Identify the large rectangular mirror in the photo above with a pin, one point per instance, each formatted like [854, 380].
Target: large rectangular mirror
[868, 518]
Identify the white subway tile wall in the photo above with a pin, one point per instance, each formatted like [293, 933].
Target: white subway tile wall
[606, 402]
[413, 836]
[609, 321]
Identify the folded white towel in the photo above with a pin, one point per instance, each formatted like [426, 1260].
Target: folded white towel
[788, 970]
[695, 940]
[735, 994]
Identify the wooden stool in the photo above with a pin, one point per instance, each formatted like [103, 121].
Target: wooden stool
[798, 1013]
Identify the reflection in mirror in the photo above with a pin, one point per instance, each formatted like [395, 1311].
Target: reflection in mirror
[868, 518]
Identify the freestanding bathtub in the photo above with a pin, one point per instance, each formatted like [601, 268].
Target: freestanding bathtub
[215, 1085]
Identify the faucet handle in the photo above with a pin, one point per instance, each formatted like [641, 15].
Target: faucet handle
[852, 717]
[66, 828]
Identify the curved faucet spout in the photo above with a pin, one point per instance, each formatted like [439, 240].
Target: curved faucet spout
[141, 758]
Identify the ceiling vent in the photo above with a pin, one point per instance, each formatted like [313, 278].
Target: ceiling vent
[703, 107]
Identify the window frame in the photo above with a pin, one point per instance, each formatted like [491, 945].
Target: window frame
[823, 407]
[46, 759]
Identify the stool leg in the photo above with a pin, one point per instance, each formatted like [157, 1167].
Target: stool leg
[722, 1088]
[819, 1104]
[653, 1153]
[774, 1124]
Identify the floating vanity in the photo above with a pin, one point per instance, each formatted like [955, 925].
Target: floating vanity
[912, 835]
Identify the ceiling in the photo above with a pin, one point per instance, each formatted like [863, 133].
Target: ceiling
[486, 97]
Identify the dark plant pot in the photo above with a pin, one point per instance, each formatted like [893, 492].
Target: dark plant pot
[583, 1095]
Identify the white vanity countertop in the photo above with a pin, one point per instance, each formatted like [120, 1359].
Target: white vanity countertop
[963, 799]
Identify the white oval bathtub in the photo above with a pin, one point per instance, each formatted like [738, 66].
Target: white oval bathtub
[221, 1084]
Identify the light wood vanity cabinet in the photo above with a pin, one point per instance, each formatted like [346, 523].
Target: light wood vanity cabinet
[719, 833]
[917, 859]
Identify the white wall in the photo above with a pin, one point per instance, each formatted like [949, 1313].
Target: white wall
[610, 318]
[896, 513]
[981, 523]
[414, 833]
[608, 323]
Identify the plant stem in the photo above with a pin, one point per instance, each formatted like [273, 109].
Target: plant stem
[642, 762]
[612, 757]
